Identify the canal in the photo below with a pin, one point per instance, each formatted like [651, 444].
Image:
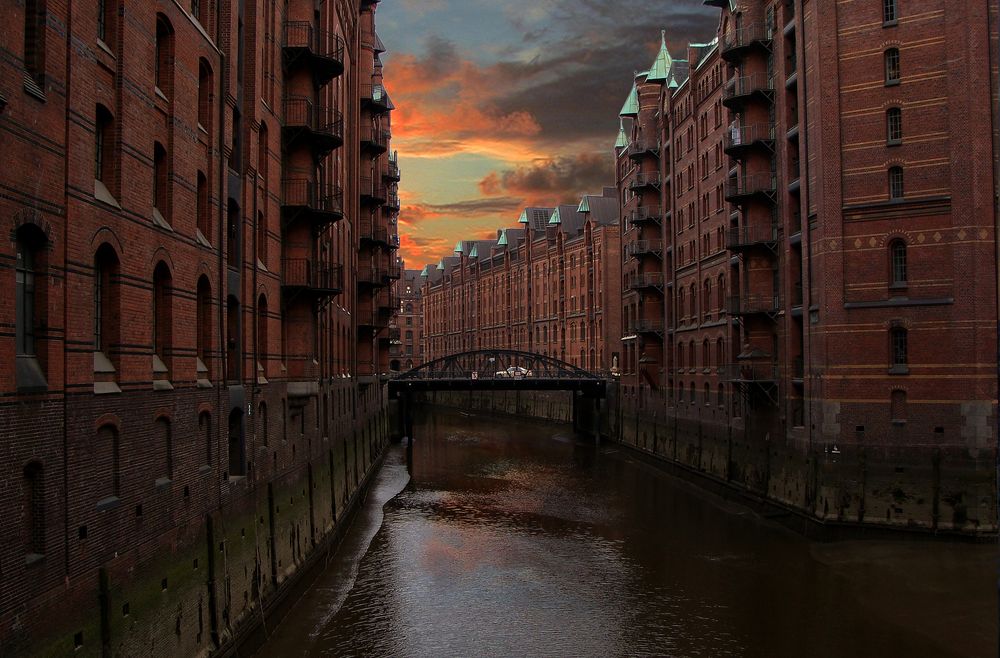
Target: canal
[515, 538]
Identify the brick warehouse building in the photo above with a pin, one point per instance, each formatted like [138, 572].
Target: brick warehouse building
[191, 345]
[406, 351]
[844, 365]
[537, 288]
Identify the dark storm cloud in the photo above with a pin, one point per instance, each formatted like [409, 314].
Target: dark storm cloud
[469, 207]
[562, 179]
[576, 86]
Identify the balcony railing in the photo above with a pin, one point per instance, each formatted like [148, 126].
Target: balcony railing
[644, 248]
[753, 304]
[395, 271]
[391, 172]
[372, 194]
[394, 241]
[644, 214]
[648, 327]
[742, 138]
[642, 147]
[372, 232]
[735, 42]
[322, 202]
[749, 372]
[321, 128]
[750, 185]
[322, 50]
[740, 89]
[374, 97]
[645, 179]
[304, 273]
[749, 236]
[374, 139]
[370, 276]
[392, 201]
[646, 280]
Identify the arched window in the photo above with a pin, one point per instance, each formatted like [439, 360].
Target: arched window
[898, 406]
[164, 56]
[692, 357]
[161, 184]
[108, 456]
[205, 96]
[708, 394]
[897, 263]
[892, 66]
[162, 320]
[29, 245]
[165, 442]
[203, 215]
[706, 357]
[680, 357]
[895, 183]
[583, 331]
[720, 352]
[694, 302]
[106, 303]
[262, 335]
[893, 126]
[33, 510]
[205, 430]
[721, 396]
[898, 349]
[104, 148]
[237, 449]
[680, 303]
[706, 297]
[722, 291]
[694, 394]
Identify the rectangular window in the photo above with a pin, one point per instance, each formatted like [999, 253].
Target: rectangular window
[894, 126]
[896, 183]
[890, 13]
[34, 40]
[892, 66]
[899, 348]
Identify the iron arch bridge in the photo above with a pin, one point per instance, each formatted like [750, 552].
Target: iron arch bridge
[497, 370]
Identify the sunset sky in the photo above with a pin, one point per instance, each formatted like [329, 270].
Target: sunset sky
[500, 105]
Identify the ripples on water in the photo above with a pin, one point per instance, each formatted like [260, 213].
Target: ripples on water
[513, 539]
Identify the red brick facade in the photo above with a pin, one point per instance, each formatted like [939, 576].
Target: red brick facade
[538, 288]
[189, 205]
[822, 180]
[407, 349]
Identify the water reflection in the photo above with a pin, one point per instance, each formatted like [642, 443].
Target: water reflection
[514, 538]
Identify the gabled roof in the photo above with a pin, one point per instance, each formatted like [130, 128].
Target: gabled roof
[622, 140]
[584, 205]
[536, 218]
[555, 218]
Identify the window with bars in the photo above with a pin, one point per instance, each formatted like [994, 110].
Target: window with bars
[895, 183]
[899, 348]
[893, 126]
[892, 66]
[897, 257]
[890, 11]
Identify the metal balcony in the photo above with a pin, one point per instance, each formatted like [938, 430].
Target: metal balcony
[305, 276]
[750, 186]
[641, 248]
[374, 98]
[318, 203]
[648, 327]
[745, 139]
[641, 148]
[737, 43]
[395, 271]
[371, 232]
[747, 237]
[644, 179]
[646, 281]
[752, 373]
[374, 140]
[370, 276]
[319, 50]
[748, 305]
[391, 172]
[745, 89]
[371, 194]
[306, 123]
[392, 201]
[646, 215]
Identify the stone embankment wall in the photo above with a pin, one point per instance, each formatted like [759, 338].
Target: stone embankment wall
[861, 488]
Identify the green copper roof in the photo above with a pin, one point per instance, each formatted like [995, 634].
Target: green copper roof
[673, 83]
[458, 247]
[584, 205]
[502, 242]
[424, 273]
[555, 219]
[524, 217]
[622, 140]
[475, 251]
[662, 65]
[631, 106]
[441, 266]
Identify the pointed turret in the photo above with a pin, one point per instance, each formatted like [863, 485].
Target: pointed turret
[663, 64]
[631, 106]
[622, 140]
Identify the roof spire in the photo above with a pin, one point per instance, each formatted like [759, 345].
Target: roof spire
[631, 106]
[663, 64]
[622, 141]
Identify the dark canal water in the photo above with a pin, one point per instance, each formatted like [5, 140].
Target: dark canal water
[517, 539]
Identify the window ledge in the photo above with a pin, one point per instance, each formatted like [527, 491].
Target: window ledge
[32, 559]
[160, 221]
[163, 484]
[104, 195]
[899, 370]
[105, 47]
[205, 468]
[201, 239]
[203, 383]
[898, 422]
[106, 388]
[28, 375]
[109, 503]
[162, 385]
[893, 142]
[102, 364]
[159, 92]
[32, 88]
[892, 83]
[890, 23]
